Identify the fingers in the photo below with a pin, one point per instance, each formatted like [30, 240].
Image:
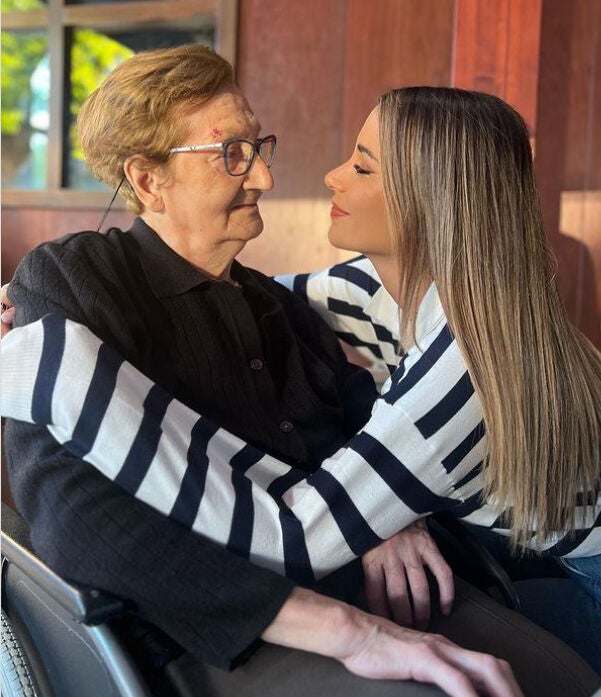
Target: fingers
[4, 295]
[420, 594]
[491, 675]
[398, 591]
[6, 320]
[375, 590]
[444, 578]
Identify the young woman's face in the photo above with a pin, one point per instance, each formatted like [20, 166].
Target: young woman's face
[358, 213]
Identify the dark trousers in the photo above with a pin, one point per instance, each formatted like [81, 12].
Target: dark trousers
[543, 665]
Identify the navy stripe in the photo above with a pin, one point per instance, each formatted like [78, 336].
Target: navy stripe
[341, 307]
[296, 557]
[423, 365]
[243, 516]
[472, 474]
[280, 486]
[352, 340]
[53, 347]
[448, 406]
[299, 285]
[192, 487]
[467, 507]
[570, 542]
[409, 489]
[355, 529]
[385, 336]
[98, 396]
[146, 442]
[467, 444]
[244, 459]
[355, 276]
[344, 309]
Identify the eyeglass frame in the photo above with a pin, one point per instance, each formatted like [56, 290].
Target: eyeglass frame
[225, 144]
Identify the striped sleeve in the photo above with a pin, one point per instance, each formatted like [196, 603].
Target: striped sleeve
[352, 300]
[416, 455]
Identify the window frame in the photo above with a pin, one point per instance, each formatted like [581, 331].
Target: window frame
[56, 19]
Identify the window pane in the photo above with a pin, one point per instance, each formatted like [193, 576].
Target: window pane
[93, 56]
[10, 5]
[25, 89]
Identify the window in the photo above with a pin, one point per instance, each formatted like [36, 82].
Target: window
[54, 53]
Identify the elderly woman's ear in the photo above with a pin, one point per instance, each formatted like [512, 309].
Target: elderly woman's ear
[145, 181]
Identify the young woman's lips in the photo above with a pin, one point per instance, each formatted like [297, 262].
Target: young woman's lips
[337, 212]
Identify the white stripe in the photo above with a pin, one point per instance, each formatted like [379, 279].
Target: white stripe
[21, 351]
[163, 480]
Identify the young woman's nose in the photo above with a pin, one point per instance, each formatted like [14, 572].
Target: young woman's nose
[332, 178]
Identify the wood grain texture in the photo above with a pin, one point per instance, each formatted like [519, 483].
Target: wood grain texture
[290, 65]
[497, 50]
[391, 44]
[568, 153]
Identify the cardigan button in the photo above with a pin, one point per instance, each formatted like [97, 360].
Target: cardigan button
[286, 427]
[256, 364]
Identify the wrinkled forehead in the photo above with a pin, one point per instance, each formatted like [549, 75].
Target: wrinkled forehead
[227, 115]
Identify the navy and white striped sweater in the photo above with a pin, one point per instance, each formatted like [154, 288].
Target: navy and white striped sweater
[420, 452]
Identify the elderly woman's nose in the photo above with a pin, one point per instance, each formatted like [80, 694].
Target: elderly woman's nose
[259, 175]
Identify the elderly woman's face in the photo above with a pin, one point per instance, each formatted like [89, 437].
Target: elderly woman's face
[205, 210]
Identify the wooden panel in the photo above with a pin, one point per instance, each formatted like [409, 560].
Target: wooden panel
[23, 229]
[497, 50]
[290, 65]
[568, 155]
[393, 43]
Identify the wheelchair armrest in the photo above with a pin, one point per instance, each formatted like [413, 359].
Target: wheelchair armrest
[470, 560]
[87, 605]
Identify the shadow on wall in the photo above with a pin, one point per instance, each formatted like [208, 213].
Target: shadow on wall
[574, 233]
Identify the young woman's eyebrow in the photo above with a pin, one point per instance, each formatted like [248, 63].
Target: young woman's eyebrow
[366, 151]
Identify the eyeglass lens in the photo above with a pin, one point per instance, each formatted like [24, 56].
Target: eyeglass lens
[239, 155]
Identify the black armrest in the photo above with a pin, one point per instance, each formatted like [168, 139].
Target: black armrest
[88, 605]
[470, 560]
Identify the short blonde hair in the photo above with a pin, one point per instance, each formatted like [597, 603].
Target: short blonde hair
[141, 107]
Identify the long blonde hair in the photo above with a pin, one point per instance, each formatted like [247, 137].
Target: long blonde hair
[464, 209]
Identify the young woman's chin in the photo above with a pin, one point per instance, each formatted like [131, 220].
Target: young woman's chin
[342, 241]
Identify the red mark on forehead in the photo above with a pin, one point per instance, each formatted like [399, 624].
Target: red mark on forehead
[215, 133]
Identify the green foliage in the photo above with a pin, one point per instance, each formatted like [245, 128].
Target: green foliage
[94, 56]
[21, 53]
[10, 5]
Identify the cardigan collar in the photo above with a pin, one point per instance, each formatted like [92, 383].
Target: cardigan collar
[167, 272]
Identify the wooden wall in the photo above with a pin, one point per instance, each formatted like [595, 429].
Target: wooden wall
[313, 70]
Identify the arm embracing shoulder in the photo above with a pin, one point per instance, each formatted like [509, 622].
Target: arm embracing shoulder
[90, 531]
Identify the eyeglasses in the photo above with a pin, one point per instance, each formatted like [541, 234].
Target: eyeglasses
[238, 154]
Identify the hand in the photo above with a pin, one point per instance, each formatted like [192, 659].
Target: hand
[396, 585]
[388, 651]
[8, 311]
[376, 648]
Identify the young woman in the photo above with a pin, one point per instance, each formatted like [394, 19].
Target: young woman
[493, 408]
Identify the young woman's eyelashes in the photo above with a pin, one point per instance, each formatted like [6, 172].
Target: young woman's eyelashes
[360, 170]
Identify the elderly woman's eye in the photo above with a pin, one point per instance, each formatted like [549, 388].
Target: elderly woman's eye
[235, 154]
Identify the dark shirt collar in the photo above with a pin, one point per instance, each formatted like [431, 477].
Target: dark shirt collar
[167, 272]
